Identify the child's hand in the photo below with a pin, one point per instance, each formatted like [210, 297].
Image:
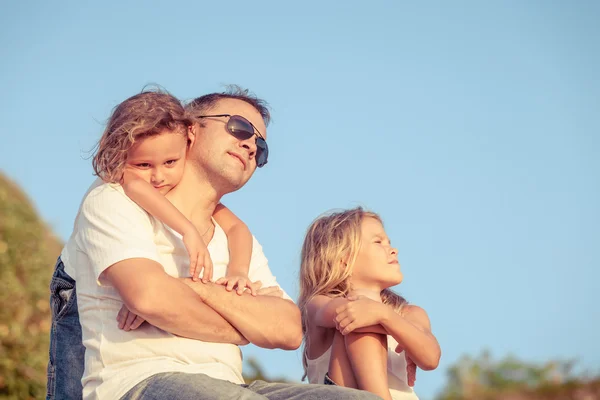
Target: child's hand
[199, 256]
[359, 312]
[128, 320]
[411, 367]
[240, 282]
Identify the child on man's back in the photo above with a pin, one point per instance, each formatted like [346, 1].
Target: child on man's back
[148, 166]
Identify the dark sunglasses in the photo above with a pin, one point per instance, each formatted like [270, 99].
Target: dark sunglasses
[242, 129]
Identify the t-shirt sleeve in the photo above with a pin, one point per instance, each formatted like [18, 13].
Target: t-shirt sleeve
[260, 271]
[112, 228]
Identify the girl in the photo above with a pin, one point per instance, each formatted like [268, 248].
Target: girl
[357, 332]
[149, 163]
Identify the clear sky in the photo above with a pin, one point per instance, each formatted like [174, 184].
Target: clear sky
[471, 127]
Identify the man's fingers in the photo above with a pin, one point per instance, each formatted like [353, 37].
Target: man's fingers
[129, 321]
[270, 291]
[137, 322]
[266, 290]
[253, 288]
[122, 316]
[220, 281]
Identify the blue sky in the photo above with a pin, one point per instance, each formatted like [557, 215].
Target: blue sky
[471, 127]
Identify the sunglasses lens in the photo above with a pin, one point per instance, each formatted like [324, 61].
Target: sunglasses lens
[262, 152]
[240, 128]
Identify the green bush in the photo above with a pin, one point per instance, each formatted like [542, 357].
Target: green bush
[27, 253]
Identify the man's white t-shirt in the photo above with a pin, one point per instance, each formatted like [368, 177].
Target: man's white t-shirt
[110, 228]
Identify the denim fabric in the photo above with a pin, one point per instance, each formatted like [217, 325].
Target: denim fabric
[177, 385]
[328, 380]
[65, 365]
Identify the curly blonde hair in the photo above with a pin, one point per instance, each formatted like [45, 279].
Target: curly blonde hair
[328, 255]
[146, 114]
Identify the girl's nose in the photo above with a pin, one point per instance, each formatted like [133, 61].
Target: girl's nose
[157, 177]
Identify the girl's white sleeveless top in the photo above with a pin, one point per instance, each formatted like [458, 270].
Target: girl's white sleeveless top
[396, 366]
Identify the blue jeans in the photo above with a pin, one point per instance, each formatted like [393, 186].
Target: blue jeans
[65, 365]
[180, 386]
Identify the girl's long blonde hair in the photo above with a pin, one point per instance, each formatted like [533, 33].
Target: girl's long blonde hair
[328, 254]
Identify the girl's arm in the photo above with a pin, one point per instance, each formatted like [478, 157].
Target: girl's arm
[239, 240]
[147, 197]
[412, 330]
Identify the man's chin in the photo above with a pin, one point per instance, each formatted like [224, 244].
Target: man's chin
[233, 183]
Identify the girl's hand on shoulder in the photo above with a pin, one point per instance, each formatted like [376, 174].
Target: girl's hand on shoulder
[359, 312]
[200, 262]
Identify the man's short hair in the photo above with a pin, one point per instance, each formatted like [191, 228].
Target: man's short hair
[203, 104]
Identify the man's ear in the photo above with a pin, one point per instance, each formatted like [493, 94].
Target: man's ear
[191, 134]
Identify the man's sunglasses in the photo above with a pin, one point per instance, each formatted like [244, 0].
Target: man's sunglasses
[242, 129]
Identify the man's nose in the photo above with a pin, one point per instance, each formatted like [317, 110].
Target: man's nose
[249, 145]
[394, 251]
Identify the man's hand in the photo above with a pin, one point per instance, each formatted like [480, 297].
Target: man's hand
[128, 320]
[357, 313]
[274, 291]
[240, 283]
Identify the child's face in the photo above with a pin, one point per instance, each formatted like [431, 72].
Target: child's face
[159, 160]
[376, 265]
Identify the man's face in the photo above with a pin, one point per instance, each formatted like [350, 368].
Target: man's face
[227, 161]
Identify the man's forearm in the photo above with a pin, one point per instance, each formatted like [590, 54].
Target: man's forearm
[266, 321]
[169, 304]
[193, 319]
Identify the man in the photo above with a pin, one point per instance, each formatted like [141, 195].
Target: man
[119, 254]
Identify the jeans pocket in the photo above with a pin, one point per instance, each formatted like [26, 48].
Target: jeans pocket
[62, 296]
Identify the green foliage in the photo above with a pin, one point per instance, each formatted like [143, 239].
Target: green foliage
[510, 378]
[27, 254]
[253, 371]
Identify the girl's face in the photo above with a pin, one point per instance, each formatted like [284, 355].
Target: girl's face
[158, 160]
[376, 266]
